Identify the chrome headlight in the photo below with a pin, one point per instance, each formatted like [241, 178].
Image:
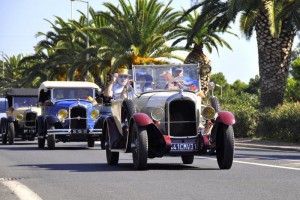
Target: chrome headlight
[157, 113]
[94, 114]
[208, 112]
[62, 114]
[19, 117]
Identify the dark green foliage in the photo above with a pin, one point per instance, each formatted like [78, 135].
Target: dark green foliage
[280, 124]
[245, 109]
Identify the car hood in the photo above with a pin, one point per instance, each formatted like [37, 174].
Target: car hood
[23, 110]
[68, 103]
[158, 99]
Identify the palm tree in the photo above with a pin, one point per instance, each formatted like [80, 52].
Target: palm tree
[13, 74]
[138, 34]
[206, 36]
[275, 23]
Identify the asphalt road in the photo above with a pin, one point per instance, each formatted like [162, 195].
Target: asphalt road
[74, 172]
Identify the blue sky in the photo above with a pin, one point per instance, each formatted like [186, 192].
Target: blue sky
[22, 19]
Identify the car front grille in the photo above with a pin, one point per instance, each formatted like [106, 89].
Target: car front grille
[78, 118]
[182, 118]
[30, 119]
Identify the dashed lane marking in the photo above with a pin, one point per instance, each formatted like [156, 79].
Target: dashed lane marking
[22, 191]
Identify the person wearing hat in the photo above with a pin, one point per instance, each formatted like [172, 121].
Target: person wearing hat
[119, 87]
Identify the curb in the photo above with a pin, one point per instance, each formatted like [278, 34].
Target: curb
[266, 145]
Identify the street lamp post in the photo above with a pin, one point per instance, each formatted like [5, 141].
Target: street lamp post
[87, 16]
[220, 86]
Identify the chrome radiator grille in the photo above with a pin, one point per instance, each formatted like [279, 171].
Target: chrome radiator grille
[78, 116]
[30, 119]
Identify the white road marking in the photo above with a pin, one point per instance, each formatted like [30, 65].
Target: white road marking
[23, 192]
[258, 164]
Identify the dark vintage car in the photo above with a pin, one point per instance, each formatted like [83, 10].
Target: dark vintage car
[69, 113]
[168, 117]
[20, 115]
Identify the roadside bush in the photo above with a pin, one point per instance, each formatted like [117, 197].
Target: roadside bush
[280, 124]
[245, 109]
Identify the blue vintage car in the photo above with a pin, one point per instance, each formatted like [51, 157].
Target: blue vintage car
[70, 112]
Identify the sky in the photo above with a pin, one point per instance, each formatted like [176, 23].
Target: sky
[21, 19]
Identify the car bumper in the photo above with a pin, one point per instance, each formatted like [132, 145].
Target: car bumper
[74, 132]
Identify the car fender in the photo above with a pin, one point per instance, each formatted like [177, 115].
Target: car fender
[142, 119]
[51, 121]
[226, 117]
[40, 125]
[115, 137]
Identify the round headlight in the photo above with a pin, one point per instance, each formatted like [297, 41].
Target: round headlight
[208, 112]
[19, 117]
[157, 113]
[95, 114]
[62, 114]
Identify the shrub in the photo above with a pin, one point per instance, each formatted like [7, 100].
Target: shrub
[280, 124]
[244, 107]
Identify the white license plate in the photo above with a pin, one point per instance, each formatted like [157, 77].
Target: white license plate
[183, 146]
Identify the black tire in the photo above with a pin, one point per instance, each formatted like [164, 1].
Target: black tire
[225, 147]
[187, 159]
[41, 142]
[215, 103]
[102, 142]
[51, 140]
[111, 157]
[91, 142]
[11, 133]
[128, 109]
[3, 132]
[139, 147]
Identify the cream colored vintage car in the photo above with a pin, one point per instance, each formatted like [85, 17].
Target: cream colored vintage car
[20, 120]
[168, 116]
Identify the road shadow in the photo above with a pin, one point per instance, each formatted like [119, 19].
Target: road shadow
[104, 167]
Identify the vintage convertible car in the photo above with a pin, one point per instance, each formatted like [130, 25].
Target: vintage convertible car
[168, 117]
[20, 115]
[70, 112]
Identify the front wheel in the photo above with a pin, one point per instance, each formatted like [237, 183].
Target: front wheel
[225, 147]
[111, 157]
[3, 134]
[187, 159]
[139, 147]
[91, 142]
[11, 133]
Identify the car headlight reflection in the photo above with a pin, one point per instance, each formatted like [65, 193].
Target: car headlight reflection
[94, 114]
[62, 114]
[208, 112]
[157, 113]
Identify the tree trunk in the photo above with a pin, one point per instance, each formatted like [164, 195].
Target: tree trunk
[274, 60]
[195, 57]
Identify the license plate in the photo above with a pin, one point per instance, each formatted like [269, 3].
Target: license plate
[183, 146]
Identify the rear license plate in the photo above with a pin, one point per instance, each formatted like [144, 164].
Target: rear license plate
[183, 146]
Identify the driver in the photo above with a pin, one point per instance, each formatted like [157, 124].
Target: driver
[119, 87]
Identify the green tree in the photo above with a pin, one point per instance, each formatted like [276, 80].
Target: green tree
[205, 36]
[275, 23]
[138, 34]
[253, 87]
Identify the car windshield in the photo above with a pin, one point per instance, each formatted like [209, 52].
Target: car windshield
[24, 101]
[165, 77]
[73, 93]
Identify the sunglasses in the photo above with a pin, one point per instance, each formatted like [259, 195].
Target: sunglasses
[122, 76]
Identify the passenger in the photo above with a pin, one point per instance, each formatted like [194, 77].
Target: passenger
[119, 86]
[145, 82]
